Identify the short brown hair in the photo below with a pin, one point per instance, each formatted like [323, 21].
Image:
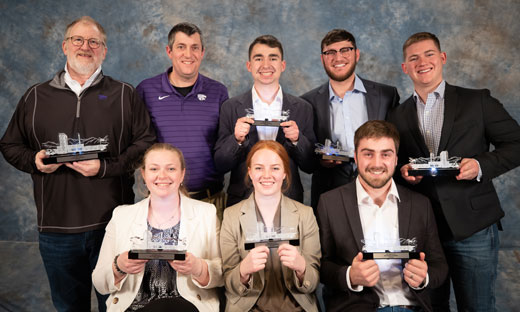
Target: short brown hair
[188, 29]
[269, 40]
[337, 35]
[167, 147]
[86, 20]
[376, 129]
[279, 150]
[418, 37]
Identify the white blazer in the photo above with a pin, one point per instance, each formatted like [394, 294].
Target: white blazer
[200, 227]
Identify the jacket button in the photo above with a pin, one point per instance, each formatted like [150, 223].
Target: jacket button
[198, 297]
[116, 300]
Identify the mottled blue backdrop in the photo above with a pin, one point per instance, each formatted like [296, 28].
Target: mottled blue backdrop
[479, 36]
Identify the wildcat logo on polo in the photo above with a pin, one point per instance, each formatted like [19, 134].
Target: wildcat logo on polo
[201, 97]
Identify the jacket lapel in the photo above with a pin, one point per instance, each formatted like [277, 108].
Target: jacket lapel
[410, 117]
[248, 222]
[349, 201]
[450, 107]
[246, 102]
[404, 210]
[372, 100]
[289, 219]
[138, 230]
[323, 111]
[289, 214]
[189, 220]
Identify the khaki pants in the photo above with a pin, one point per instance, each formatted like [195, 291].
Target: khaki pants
[217, 199]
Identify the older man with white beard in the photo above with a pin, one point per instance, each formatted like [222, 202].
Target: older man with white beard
[74, 200]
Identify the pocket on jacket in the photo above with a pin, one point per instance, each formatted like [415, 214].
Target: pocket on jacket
[483, 201]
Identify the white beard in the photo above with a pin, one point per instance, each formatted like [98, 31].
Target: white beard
[82, 68]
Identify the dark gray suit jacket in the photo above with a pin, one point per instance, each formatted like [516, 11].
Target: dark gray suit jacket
[380, 99]
[472, 121]
[340, 237]
[229, 156]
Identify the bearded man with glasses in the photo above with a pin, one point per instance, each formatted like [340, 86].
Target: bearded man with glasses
[74, 200]
[340, 106]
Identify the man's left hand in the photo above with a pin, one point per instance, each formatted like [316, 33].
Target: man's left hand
[468, 169]
[291, 131]
[415, 271]
[87, 168]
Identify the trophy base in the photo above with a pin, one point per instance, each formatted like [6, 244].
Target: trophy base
[271, 243]
[337, 157]
[267, 123]
[433, 172]
[161, 254]
[390, 255]
[58, 159]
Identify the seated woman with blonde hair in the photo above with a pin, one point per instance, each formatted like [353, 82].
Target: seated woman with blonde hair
[269, 279]
[161, 285]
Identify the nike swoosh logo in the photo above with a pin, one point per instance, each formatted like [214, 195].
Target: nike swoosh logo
[163, 97]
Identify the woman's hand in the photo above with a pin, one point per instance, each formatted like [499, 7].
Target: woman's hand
[191, 265]
[291, 258]
[194, 266]
[130, 266]
[253, 262]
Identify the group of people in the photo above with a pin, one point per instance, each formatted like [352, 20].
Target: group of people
[203, 134]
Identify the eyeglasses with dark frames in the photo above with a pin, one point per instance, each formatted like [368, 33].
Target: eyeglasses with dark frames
[345, 52]
[92, 42]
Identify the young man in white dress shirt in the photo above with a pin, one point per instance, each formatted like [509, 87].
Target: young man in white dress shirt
[237, 132]
[372, 211]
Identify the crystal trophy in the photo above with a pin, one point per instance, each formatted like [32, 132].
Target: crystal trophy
[332, 151]
[158, 245]
[390, 249]
[272, 237]
[72, 149]
[273, 122]
[435, 165]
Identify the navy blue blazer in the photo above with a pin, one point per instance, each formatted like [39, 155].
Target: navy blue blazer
[229, 156]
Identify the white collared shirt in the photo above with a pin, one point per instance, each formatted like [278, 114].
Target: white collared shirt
[75, 86]
[267, 111]
[381, 224]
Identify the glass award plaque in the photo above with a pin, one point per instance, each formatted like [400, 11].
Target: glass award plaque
[332, 151]
[268, 122]
[390, 249]
[72, 149]
[158, 246]
[272, 237]
[435, 165]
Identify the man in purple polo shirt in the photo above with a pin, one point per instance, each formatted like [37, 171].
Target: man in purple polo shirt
[184, 106]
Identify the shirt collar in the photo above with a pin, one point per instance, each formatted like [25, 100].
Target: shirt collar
[363, 198]
[358, 87]
[277, 99]
[87, 83]
[439, 91]
[169, 88]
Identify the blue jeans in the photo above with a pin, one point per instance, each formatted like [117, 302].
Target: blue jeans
[473, 272]
[69, 260]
